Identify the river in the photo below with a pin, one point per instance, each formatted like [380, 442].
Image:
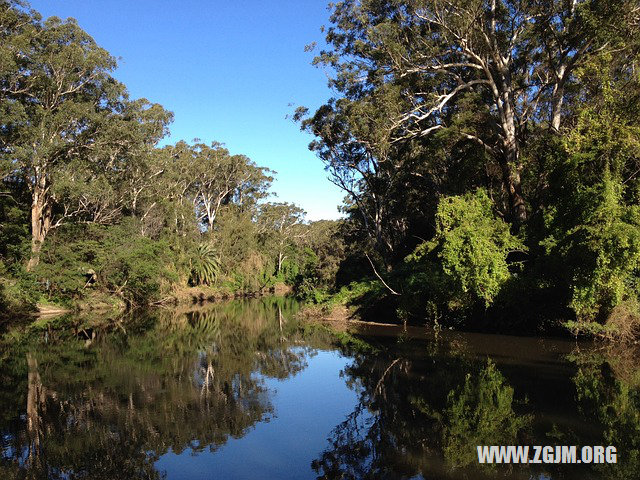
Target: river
[244, 389]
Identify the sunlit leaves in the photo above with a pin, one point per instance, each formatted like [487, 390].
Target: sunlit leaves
[205, 265]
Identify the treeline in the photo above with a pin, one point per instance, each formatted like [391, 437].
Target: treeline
[488, 149]
[490, 152]
[90, 203]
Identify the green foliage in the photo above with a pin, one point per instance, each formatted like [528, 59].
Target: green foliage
[594, 222]
[465, 264]
[473, 245]
[19, 294]
[141, 270]
[319, 260]
[85, 188]
[14, 231]
[205, 265]
[216, 177]
[127, 264]
[522, 191]
[306, 290]
[480, 412]
[612, 246]
[357, 292]
[427, 290]
[65, 273]
[469, 199]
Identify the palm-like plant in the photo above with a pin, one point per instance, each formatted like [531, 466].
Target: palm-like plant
[205, 265]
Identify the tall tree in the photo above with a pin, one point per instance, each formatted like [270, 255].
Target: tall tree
[63, 88]
[219, 178]
[279, 225]
[115, 170]
[73, 129]
[482, 71]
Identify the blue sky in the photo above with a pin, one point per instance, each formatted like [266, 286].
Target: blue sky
[228, 71]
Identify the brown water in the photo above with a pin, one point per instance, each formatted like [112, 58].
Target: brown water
[244, 390]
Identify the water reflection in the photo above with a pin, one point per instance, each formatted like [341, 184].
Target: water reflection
[608, 392]
[420, 416]
[127, 399]
[422, 411]
[110, 406]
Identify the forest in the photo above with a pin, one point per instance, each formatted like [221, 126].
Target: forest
[489, 152]
[94, 212]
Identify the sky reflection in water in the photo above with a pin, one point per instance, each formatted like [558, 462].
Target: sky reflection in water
[244, 390]
[306, 408]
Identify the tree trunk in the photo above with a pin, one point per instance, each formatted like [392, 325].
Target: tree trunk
[556, 109]
[35, 397]
[557, 98]
[512, 183]
[40, 223]
[280, 259]
[510, 164]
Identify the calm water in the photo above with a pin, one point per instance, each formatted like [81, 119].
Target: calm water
[242, 390]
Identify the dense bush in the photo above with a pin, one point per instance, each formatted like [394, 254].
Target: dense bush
[125, 263]
[141, 269]
[472, 245]
[593, 217]
[464, 266]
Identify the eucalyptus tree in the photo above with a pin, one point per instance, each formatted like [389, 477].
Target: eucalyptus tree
[17, 27]
[61, 86]
[115, 172]
[173, 178]
[415, 74]
[220, 178]
[325, 238]
[132, 153]
[279, 225]
[73, 124]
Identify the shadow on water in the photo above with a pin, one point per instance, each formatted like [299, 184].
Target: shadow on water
[109, 399]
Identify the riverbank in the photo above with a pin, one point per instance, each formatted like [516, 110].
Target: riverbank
[17, 302]
[367, 301]
[371, 302]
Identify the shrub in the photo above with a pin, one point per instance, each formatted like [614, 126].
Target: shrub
[125, 263]
[595, 238]
[464, 265]
[140, 270]
[473, 245]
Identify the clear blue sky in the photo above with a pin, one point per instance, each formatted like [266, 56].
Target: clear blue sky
[228, 71]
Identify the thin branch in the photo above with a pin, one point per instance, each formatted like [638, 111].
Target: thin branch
[379, 277]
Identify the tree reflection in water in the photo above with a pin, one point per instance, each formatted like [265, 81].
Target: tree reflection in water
[608, 392]
[106, 400]
[422, 416]
[109, 406]
[418, 418]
